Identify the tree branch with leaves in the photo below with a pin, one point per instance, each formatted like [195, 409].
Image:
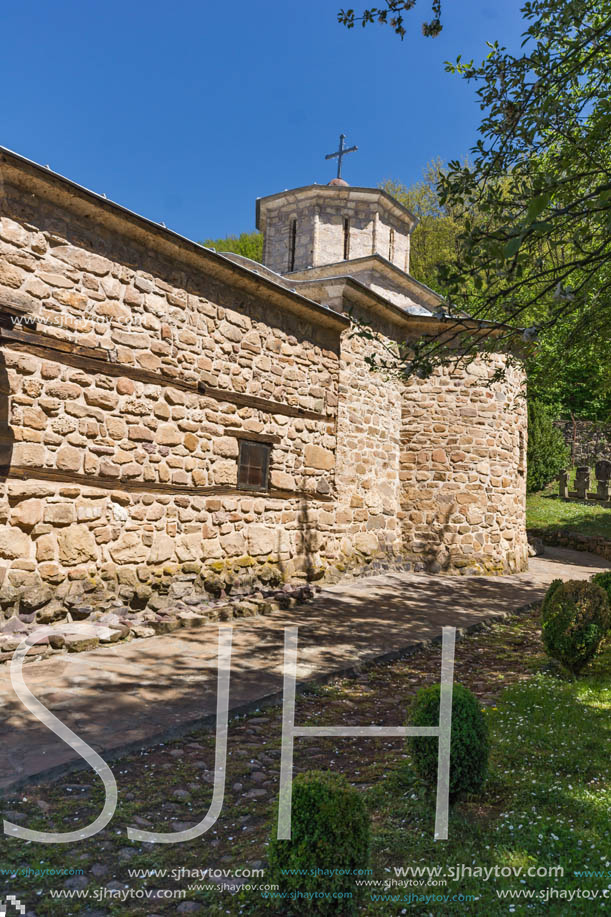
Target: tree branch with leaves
[392, 14]
[534, 201]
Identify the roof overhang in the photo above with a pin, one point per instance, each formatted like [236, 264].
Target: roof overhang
[354, 293]
[430, 299]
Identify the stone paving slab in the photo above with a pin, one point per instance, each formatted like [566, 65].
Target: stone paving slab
[127, 696]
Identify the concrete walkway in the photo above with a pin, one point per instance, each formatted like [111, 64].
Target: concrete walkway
[122, 697]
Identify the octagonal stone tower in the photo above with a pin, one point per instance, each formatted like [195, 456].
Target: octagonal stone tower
[327, 224]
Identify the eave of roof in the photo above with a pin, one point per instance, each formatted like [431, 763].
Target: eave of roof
[356, 291]
[380, 262]
[215, 264]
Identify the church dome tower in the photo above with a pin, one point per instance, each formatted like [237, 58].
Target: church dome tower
[321, 238]
[327, 224]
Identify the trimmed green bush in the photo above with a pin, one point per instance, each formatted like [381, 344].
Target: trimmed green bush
[547, 454]
[576, 622]
[329, 831]
[551, 589]
[468, 745]
[604, 581]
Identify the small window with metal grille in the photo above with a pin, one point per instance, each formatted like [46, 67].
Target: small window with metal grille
[253, 465]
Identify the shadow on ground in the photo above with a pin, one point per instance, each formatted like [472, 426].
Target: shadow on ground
[127, 696]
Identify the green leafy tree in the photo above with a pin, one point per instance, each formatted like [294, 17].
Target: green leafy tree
[249, 244]
[547, 453]
[535, 262]
[434, 241]
[583, 387]
[392, 14]
[571, 371]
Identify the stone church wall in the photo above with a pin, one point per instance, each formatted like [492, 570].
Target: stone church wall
[129, 373]
[368, 453]
[463, 471]
[118, 474]
[431, 475]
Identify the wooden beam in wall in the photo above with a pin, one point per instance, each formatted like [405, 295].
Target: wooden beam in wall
[253, 437]
[89, 359]
[26, 473]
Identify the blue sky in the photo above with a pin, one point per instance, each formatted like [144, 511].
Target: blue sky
[187, 112]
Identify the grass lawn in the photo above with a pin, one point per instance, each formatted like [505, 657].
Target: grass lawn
[546, 511]
[546, 803]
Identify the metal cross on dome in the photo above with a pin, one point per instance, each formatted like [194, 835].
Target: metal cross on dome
[341, 153]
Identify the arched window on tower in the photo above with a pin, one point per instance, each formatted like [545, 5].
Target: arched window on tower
[346, 239]
[292, 244]
[391, 245]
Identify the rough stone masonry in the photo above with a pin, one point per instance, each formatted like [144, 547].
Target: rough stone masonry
[138, 369]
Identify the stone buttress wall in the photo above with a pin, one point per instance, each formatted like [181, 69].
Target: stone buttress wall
[463, 471]
[588, 440]
[368, 453]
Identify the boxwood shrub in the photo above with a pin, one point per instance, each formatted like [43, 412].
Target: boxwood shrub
[329, 831]
[577, 619]
[604, 581]
[548, 596]
[469, 746]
